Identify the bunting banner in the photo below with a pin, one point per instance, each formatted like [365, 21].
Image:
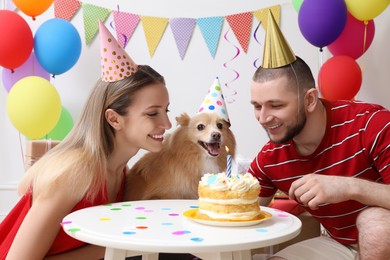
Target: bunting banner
[154, 27]
[65, 9]
[182, 29]
[241, 25]
[211, 28]
[92, 14]
[125, 24]
[262, 15]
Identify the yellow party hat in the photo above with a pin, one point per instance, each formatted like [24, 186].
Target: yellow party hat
[277, 51]
[116, 63]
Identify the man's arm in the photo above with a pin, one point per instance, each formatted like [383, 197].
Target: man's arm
[313, 190]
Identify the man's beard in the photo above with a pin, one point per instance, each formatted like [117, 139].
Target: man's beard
[292, 131]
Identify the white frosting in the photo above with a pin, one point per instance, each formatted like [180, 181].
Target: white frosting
[229, 201]
[230, 216]
[220, 182]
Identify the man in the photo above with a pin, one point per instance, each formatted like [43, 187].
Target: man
[331, 157]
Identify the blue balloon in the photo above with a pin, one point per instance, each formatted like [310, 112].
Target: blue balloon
[57, 45]
[322, 21]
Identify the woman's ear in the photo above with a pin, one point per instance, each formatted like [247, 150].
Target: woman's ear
[311, 99]
[113, 118]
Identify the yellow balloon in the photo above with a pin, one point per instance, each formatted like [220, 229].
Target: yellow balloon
[33, 8]
[365, 10]
[34, 106]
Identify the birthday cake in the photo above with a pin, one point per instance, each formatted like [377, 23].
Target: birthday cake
[224, 198]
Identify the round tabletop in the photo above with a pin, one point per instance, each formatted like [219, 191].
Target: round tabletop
[160, 226]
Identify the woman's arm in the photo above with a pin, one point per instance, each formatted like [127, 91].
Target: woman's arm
[41, 224]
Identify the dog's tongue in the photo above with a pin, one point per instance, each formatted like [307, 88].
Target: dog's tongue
[213, 149]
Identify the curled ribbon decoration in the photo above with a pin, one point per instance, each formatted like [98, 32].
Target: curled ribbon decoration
[237, 74]
[257, 40]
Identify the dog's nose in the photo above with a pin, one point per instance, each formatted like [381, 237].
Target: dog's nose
[216, 136]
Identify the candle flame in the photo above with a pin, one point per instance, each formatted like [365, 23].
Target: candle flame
[227, 149]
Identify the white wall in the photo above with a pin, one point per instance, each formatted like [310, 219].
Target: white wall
[188, 80]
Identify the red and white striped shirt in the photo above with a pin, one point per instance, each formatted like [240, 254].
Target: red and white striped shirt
[356, 144]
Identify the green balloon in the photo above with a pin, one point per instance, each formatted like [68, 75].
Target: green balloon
[297, 4]
[62, 128]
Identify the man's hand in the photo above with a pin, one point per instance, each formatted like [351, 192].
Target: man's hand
[312, 190]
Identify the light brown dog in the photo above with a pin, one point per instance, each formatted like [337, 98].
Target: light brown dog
[196, 147]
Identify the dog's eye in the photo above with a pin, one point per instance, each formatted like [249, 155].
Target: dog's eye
[201, 127]
[219, 125]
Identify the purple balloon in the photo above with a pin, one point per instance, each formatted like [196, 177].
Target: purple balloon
[30, 67]
[322, 21]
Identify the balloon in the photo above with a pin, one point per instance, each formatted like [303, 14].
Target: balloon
[33, 106]
[30, 68]
[16, 41]
[365, 10]
[340, 77]
[33, 8]
[62, 128]
[351, 42]
[297, 4]
[57, 45]
[322, 21]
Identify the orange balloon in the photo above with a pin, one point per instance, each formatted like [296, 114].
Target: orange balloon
[33, 8]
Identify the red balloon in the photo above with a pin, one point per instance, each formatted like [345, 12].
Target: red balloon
[17, 40]
[340, 77]
[355, 39]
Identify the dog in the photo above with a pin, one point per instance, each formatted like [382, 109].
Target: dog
[197, 146]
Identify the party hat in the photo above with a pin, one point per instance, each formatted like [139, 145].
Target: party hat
[277, 51]
[116, 63]
[215, 102]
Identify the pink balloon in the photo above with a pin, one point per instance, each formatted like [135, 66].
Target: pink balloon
[30, 67]
[351, 41]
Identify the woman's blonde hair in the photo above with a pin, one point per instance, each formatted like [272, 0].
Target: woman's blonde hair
[80, 160]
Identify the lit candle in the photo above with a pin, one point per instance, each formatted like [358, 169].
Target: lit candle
[229, 163]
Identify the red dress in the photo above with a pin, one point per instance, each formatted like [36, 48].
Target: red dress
[62, 243]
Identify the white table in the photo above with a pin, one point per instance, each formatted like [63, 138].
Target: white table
[152, 226]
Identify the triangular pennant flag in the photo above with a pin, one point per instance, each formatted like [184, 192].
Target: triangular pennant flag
[65, 9]
[241, 25]
[125, 24]
[154, 28]
[210, 28]
[262, 15]
[91, 15]
[182, 29]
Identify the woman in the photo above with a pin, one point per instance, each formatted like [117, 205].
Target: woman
[121, 116]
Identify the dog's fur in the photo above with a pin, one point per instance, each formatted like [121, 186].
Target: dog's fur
[196, 147]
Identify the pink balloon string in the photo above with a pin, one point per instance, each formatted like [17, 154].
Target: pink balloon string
[237, 74]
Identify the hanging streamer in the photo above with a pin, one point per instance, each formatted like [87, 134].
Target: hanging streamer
[257, 40]
[237, 74]
[125, 39]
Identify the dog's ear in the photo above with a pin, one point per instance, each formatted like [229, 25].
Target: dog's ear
[183, 119]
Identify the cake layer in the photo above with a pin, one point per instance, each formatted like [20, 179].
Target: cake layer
[207, 192]
[233, 198]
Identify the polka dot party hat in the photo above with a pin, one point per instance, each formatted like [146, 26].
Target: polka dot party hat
[215, 102]
[116, 63]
